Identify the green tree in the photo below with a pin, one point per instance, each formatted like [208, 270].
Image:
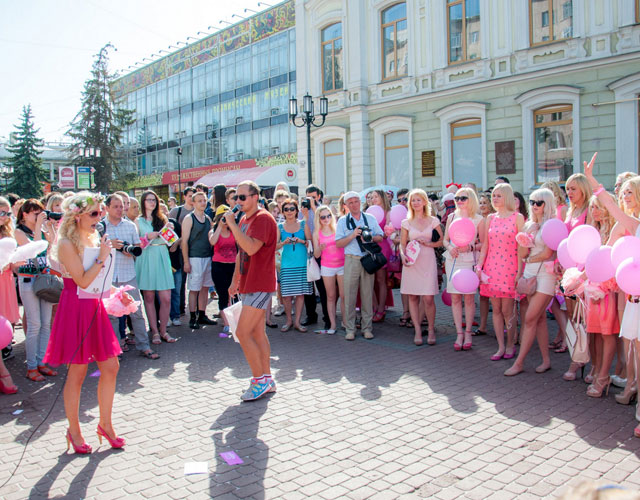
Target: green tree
[28, 176]
[99, 125]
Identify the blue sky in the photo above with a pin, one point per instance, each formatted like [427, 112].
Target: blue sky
[47, 47]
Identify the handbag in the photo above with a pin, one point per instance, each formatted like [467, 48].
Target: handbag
[313, 269]
[48, 287]
[395, 262]
[527, 286]
[577, 339]
[373, 260]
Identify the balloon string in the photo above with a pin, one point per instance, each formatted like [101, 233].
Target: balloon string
[453, 267]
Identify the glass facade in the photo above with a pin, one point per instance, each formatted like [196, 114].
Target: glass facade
[231, 108]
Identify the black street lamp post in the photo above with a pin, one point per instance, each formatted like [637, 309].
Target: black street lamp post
[308, 118]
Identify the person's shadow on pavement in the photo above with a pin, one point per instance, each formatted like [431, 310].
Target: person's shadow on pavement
[236, 429]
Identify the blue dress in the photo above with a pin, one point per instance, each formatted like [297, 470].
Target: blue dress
[293, 267]
[153, 267]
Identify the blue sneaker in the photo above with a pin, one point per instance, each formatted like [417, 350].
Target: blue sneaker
[255, 391]
[272, 386]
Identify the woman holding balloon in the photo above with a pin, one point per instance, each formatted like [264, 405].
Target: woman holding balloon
[420, 274]
[538, 259]
[460, 237]
[380, 207]
[9, 313]
[499, 266]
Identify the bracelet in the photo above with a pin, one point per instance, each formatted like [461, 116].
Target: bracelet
[598, 191]
[100, 262]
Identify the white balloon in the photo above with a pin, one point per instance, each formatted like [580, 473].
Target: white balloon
[29, 251]
[7, 246]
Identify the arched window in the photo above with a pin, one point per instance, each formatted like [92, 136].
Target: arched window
[466, 151]
[334, 167]
[397, 166]
[331, 56]
[553, 148]
[395, 46]
[463, 27]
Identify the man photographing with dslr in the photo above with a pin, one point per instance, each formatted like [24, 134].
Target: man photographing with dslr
[351, 227]
[124, 237]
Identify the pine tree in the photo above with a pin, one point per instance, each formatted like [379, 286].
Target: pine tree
[28, 177]
[99, 125]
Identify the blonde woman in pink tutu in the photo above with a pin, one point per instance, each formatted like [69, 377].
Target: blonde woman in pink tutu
[81, 331]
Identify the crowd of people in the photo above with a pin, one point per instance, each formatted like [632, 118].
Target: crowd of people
[289, 253]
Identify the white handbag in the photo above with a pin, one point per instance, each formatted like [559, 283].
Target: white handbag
[313, 269]
[577, 338]
[232, 315]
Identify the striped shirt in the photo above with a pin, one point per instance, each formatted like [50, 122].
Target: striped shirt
[125, 230]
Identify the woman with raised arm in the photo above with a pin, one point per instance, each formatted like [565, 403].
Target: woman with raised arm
[82, 332]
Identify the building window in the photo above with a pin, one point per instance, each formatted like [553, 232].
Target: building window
[332, 58]
[333, 167]
[397, 167]
[553, 127]
[550, 20]
[637, 11]
[466, 151]
[395, 45]
[463, 29]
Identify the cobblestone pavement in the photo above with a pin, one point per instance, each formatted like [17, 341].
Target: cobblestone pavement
[364, 419]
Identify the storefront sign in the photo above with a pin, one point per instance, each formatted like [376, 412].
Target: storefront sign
[67, 177]
[193, 174]
[290, 174]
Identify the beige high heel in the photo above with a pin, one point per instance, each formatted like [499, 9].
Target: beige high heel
[596, 389]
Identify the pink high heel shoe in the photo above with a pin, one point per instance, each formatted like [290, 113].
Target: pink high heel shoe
[117, 442]
[83, 449]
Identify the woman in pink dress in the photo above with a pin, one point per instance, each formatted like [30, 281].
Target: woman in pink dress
[8, 299]
[381, 297]
[501, 266]
[81, 331]
[420, 279]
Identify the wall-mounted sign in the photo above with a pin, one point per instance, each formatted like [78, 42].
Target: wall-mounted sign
[67, 177]
[428, 163]
[505, 157]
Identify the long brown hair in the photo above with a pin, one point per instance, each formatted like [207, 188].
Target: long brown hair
[158, 219]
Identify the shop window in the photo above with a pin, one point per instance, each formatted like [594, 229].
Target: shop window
[553, 148]
[550, 20]
[332, 58]
[463, 27]
[395, 46]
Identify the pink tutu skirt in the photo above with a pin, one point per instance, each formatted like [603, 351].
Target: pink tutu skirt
[74, 322]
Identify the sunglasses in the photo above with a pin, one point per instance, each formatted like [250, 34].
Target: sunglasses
[3, 213]
[289, 209]
[461, 198]
[94, 214]
[325, 217]
[536, 203]
[402, 200]
[242, 197]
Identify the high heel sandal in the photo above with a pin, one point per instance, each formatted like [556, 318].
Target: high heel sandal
[589, 378]
[83, 449]
[457, 345]
[571, 373]
[626, 398]
[116, 442]
[467, 345]
[378, 317]
[7, 389]
[601, 385]
[45, 370]
[35, 375]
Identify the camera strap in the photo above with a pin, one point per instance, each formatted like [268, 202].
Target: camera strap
[351, 224]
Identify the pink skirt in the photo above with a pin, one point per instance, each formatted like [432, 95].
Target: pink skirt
[8, 298]
[81, 331]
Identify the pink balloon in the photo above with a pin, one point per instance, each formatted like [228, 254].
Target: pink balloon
[6, 332]
[553, 232]
[377, 212]
[582, 241]
[465, 281]
[446, 298]
[628, 246]
[598, 266]
[462, 232]
[397, 215]
[628, 276]
[563, 255]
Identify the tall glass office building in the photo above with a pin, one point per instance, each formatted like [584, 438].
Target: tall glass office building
[223, 100]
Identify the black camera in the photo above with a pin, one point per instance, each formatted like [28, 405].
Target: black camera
[306, 203]
[53, 215]
[366, 234]
[130, 249]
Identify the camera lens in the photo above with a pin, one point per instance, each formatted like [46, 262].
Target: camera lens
[53, 215]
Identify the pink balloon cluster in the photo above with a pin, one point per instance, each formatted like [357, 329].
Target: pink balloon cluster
[602, 262]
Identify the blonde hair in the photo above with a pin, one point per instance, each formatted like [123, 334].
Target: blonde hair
[473, 207]
[507, 193]
[316, 219]
[549, 212]
[427, 204]
[73, 206]
[53, 199]
[584, 187]
[6, 230]
[633, 185]
[606, 225]
[558, 193]
[279, 193]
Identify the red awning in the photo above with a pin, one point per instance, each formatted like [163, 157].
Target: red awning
[193, 174]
